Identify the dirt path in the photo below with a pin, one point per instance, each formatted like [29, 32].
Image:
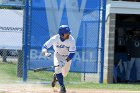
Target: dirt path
[37, 88]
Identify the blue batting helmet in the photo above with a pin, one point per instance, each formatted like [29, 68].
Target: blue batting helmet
[63, 29]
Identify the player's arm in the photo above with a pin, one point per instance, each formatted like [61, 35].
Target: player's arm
[47, 45]
[72, 50]
[71, 55]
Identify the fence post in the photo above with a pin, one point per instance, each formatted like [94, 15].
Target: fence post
[25, 39]
[4, 55]
[20, 64]
[103, 37]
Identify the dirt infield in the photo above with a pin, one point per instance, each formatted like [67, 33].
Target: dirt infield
[37, 88]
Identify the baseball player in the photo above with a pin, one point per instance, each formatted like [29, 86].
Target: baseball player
[64, 49]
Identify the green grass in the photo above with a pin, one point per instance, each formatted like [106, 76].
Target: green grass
[130, 87]
[47, 76]
[8, 75]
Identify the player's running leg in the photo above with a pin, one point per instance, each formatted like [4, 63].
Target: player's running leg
[66, 68]
[58, 71]
[61, 83]
[62, 89]
[54, 80]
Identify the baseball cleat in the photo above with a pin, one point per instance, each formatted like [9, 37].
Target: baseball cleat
[54, 80]
[62, 90]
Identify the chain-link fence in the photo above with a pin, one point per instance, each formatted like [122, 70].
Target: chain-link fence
[45, 17]
[11, 31]
[83, 19]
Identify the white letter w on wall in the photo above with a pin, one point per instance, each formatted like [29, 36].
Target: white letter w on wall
[75, 15]
[54, 14]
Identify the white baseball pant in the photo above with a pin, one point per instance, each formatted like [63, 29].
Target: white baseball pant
[61, 60]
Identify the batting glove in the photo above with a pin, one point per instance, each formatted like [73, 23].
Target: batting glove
[45, 53]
